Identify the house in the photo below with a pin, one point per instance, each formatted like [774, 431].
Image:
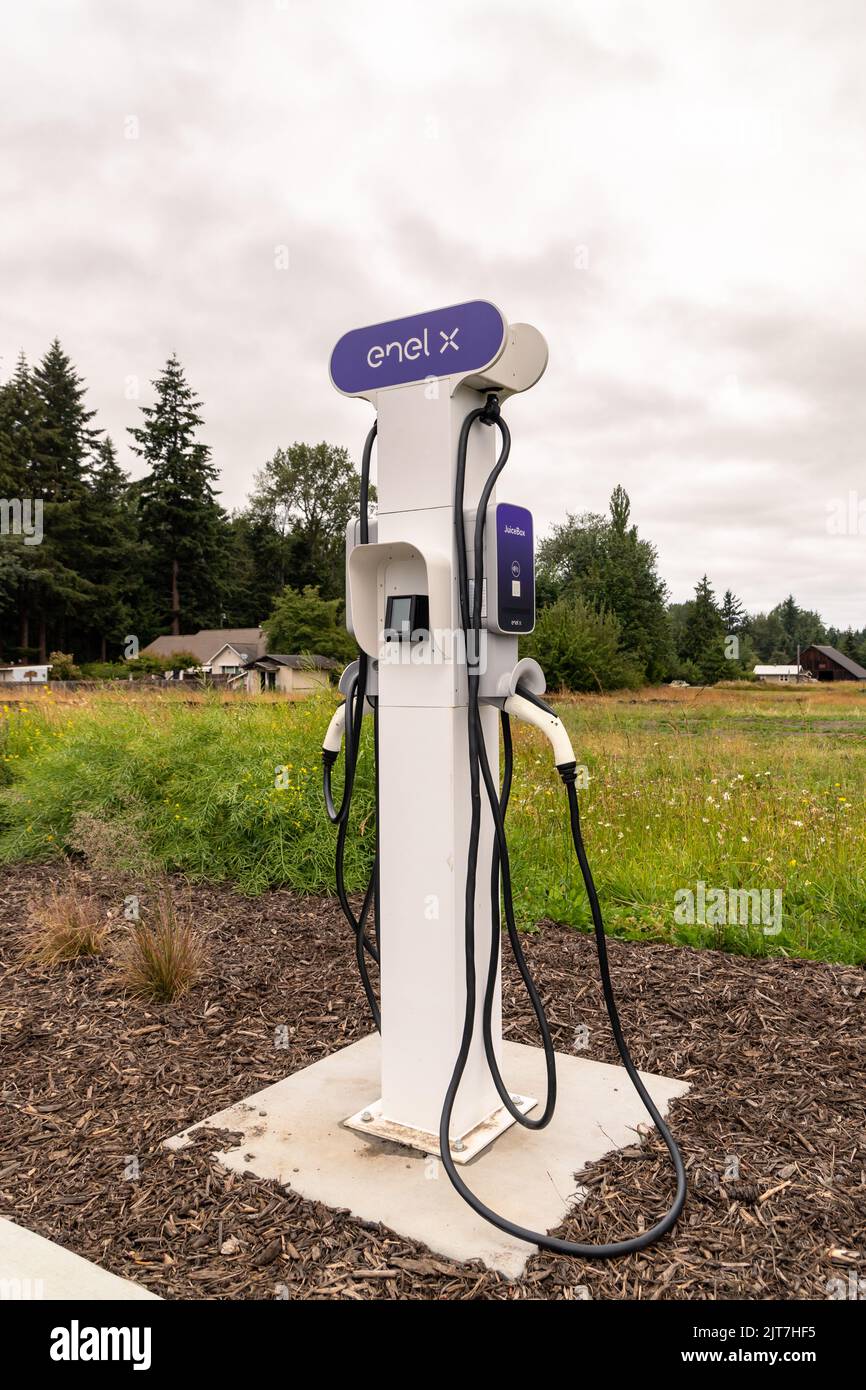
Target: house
[220, 651]
[289, 674]
[24, 673]
[778, 673]
[828, 664]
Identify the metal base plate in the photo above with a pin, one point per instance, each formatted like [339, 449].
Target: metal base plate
[371, 1122]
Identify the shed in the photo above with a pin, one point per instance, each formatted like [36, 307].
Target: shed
[293, 675]
[777, 673]
[24, 673]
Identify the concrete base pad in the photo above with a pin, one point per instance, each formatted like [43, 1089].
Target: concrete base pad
[294, 1133]
[32, 1267]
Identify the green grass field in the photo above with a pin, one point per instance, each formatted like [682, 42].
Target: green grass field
[732, 787]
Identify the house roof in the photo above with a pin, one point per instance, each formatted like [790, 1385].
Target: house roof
[296, 663]
[845, 661]
[244, 654]
[775, 670]
[209, 642]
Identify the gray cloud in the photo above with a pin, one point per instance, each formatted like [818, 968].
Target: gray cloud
[707, 345]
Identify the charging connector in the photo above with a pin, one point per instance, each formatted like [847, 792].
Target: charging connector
[549, 723]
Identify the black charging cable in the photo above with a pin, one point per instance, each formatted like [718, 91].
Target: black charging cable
[478, 769]
[339, 815]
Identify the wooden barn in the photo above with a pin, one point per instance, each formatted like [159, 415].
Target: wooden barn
[828, 664]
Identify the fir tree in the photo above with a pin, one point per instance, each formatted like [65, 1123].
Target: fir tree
[20, 415]
[59, 474]
[178, 514]
[66, 441]
[705, 634]
[734, 616]
[113, 552]
[46, 440]
[850, 646]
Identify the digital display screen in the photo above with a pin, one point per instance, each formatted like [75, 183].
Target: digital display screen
[400, 615]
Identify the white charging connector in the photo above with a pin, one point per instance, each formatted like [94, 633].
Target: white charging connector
[550, 724]
[333, 740]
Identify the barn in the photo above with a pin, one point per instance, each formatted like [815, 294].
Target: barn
[829, 664]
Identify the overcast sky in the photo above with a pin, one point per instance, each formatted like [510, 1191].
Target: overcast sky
[673, 192]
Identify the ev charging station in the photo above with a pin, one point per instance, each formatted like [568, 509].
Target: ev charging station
[439, 588]
[423, 376]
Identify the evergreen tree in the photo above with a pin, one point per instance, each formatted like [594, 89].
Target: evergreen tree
[800, 625]
[113, 551]
[678, 618]
[52, 440]
[769, 637]
[20, 416]
[615, 571]
[178, 514]
[256, 558]
[850, 645]
[66, 441]
[705, 635]
[734, 615]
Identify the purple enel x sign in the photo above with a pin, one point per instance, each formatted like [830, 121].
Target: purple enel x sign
[461, 339]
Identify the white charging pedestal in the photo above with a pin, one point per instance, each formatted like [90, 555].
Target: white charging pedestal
[424, 791]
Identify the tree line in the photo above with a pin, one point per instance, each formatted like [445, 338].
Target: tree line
[605, 619]
[119, 559]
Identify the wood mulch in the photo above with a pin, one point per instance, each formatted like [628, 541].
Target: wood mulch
[774, 1128]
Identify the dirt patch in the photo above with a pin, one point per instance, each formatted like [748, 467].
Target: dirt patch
[774, 1129]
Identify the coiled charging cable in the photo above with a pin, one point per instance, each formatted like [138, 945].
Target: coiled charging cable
[527, 706]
